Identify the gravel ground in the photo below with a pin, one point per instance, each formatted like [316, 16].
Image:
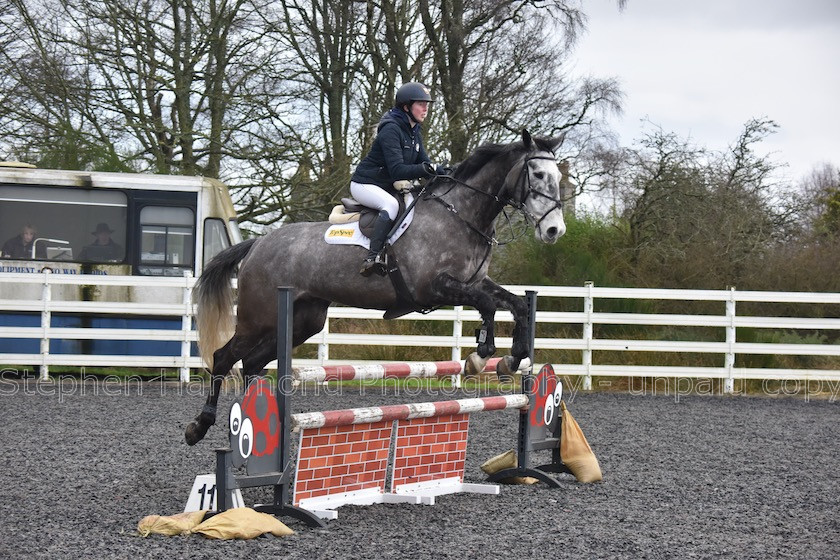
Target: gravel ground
[688, 477]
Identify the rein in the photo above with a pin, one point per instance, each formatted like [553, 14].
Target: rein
[502, 201]
[488, 240]
[509, 200]
[427, 193]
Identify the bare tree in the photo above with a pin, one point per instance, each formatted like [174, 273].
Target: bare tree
[459, 32]
[325, 41]
[818, 202]
[280, 99]
[168, 86]
[806, 259]
[699, 218]
[396, 52]
[48, 118]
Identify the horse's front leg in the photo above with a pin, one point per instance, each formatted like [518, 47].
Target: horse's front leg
[455, 292]
[223, 360]
[521, 346]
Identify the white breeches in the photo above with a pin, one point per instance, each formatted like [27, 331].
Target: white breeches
[374, 197]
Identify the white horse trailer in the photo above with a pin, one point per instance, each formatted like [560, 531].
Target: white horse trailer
[155, 225]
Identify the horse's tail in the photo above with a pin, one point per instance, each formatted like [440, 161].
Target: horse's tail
[213, 296]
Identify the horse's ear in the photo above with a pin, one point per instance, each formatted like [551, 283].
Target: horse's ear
[556, 142]
[526, 138]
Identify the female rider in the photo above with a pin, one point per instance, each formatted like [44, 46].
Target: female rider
[397, 154]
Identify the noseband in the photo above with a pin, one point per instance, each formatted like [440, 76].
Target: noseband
[500, 197]
[529, 190]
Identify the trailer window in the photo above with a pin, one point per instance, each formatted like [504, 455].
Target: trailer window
[167, 240]
[215, 238]
[68, 223]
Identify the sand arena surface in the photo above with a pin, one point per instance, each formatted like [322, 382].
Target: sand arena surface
[688, 477]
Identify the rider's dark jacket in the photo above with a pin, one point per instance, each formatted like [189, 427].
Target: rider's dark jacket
[397, 153]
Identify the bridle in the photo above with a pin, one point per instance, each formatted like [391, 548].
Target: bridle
[502, 198]
[525, 181]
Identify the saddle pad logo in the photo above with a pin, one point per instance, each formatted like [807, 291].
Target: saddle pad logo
[341, 232]
[350, 234]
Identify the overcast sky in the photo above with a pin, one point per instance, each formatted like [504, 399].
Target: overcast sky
[703, 68]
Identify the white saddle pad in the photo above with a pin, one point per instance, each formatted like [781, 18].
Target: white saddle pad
[351, 234]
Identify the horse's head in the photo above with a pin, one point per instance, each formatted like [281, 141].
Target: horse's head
[522, 174]
[533, 185]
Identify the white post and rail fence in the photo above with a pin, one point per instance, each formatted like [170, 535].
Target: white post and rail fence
[589, 341]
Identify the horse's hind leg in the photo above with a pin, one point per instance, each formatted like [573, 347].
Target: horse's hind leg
[223, 360]
[258, 358]
[255, 352]
[310, 314]
[309, 317]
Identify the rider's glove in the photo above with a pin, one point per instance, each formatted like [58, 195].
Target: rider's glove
[432, 169]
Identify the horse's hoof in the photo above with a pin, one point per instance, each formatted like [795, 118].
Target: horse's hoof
[195, 432]
[474, 364]
[506, 368]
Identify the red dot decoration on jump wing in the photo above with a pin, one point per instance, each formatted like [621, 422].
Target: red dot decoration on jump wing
[544, 386]
[260, 405]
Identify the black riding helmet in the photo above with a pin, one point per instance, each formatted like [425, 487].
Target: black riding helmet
[411, 92]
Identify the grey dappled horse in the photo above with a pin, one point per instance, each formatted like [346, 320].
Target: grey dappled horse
[443, 258]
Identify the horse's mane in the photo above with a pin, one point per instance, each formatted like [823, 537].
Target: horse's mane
[482, 155]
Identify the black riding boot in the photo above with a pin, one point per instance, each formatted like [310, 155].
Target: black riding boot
[374, 261]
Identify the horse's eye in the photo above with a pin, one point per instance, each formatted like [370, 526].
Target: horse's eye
[539, 175]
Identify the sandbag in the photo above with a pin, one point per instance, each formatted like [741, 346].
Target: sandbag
[575, 451]
[506, 460]
[241, 523]
[178, 524]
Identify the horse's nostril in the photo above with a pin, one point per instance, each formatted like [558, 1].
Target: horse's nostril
[552, 232]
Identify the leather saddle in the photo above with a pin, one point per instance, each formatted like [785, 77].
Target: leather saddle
[351, 210]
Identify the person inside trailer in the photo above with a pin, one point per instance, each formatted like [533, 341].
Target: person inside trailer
[20, 246]
[103, 249]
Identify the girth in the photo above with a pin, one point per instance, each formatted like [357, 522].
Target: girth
[405, 300]
[352, 210]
